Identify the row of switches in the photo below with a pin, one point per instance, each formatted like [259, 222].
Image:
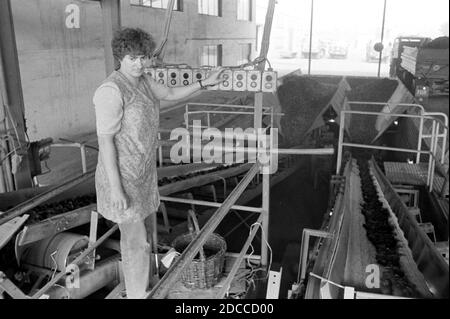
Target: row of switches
[234, 80]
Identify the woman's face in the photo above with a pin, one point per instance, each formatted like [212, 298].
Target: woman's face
[133, 65]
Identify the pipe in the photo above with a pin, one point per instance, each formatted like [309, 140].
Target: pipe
[104, 273]
[37, 200]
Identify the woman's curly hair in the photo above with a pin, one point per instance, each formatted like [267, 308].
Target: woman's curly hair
[132, 41]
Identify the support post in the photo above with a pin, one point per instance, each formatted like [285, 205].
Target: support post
[265, 186]
[11, 91]
[310, 37]
[265, 219]
[341, 141]
[111, 24]
[419, 143]
[266, 35]
[382, 38]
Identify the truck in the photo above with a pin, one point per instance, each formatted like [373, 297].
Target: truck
[397, 49]
[424, 68]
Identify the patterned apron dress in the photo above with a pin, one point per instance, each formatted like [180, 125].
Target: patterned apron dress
[136, 144]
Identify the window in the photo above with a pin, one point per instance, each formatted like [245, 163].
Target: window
[245, 53]
[160, 4]
[211, 55]
[210, 7]
[244, 10]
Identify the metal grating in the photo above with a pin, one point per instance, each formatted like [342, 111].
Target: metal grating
[411, 174]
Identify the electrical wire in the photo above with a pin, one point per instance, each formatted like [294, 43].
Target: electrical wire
[264, 238]
[327, 280]
[8, 112]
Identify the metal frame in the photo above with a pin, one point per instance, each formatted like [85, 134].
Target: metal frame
[302, 264]
[435, 135]
[265, 110]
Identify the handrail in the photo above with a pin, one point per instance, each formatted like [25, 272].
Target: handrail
[434, 137]
[161, 289]
[232, 112]
[227, 106]
[422, 109]
[265, 111]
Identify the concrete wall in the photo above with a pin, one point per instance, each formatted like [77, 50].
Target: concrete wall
[190, 30]
[61, 67]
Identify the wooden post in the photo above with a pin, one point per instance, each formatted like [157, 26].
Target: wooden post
[111, 24]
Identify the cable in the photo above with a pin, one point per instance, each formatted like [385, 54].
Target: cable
[263, 237]
[327, 280]
[8, 111]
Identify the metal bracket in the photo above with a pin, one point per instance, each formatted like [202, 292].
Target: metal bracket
[273, 284]
[303, 262]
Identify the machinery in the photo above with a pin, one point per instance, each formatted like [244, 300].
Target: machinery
[59, 247]
[397, 49]
[423, 66]
[238, 79]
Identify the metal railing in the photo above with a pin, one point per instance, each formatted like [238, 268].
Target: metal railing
[218, 110]
[435, 135]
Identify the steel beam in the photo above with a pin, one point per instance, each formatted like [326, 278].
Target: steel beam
[266, 35]
[111, 24]
[11, 91]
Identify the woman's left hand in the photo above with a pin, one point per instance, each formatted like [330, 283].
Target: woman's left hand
[214, 77]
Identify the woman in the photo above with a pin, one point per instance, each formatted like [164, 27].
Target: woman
[127, 115]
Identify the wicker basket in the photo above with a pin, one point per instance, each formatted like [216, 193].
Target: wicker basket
[205, 272]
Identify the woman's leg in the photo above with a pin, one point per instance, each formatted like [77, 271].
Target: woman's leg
[151, 226]
[135, 258]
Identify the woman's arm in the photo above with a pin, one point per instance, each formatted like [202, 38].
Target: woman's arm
[109, 112]
[108, 154]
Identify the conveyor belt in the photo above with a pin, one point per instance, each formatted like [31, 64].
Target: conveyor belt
[343, 259]
[428, 259]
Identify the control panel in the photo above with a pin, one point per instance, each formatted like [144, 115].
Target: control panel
[239, 80]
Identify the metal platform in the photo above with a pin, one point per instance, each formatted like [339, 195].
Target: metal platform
[412, 174]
